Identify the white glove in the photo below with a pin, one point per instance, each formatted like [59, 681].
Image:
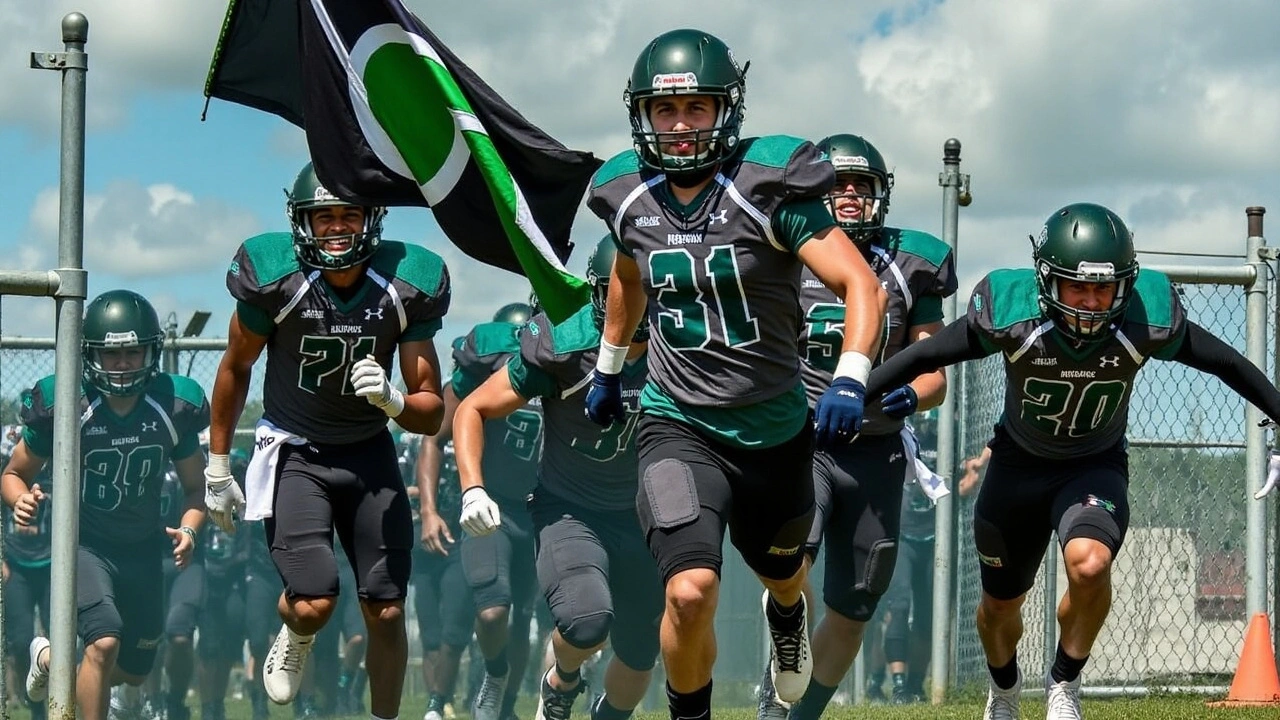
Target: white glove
[1273, 476]
[222, 496]
[479, 512]
[370, 382]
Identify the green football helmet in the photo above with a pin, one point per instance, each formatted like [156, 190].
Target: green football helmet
[307, 195]
[120, 320]
[687, 62]
[516, 313]
[1084, 243]
[855, 155]
[599, 270]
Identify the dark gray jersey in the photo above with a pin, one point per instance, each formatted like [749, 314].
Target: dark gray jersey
[722, 277]
[123, 459]
[511, 445]
[1062, 401]
[583, 463]
[917, 270]
[30, 546]
[315, 335]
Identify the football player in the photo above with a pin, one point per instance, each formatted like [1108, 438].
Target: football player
[1074, 330]
[222, 614]
[499, 566]
[858, 486]
[594, 568]
[713, 230]
[27, 553]
[333, 304]
[444, 607]
[134, 421]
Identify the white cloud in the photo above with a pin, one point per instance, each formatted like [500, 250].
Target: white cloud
[133, 231]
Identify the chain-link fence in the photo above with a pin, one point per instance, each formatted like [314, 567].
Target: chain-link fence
[1179, 610]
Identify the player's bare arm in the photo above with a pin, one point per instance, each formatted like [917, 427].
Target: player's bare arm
[423, 403]
[435, 531]
[626, 303]
[231, 384]
[931, 387]
[17, 486]
[838, 264]
[494, 399]
[191, 474]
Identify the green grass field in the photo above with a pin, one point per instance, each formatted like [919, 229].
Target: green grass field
[1153, 708]
[1157, 708]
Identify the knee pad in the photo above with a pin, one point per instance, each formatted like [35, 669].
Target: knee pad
[881, 559]
[310, 571]
[587, 631]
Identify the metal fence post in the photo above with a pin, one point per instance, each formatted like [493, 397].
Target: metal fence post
[70, 295]
[1255, 437]
[944, 553]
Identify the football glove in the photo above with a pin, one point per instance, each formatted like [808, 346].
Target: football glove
[604, 399]
[1273, 476]
[838, 414]
[370, 382]
[223, 498]
[900, 403]
[480, 514]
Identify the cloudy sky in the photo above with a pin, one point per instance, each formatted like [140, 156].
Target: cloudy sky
[1167, 112]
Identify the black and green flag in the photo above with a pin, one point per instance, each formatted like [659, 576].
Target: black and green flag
[392, 117]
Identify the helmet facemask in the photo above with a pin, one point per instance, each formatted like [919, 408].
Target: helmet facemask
[100, 373]
[868, 225]
[310, 247]
[712, 144]
[1078, 324]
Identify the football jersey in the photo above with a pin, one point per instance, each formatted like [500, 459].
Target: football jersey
[1061, 400]
[123, 459]
[723, 284]
[917, 270]
[314, 335]
[30, 546]
[511, 444]
[583, 463]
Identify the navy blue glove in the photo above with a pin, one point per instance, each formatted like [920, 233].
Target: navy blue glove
[839, 413]
[604, 399]
[900, 403]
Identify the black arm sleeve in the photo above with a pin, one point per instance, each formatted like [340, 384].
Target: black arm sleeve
[1206, 353]
[954, 343]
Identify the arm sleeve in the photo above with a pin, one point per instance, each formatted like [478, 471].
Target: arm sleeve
[254, 318]
[1204, 352]
[955, 343]
[928, 309]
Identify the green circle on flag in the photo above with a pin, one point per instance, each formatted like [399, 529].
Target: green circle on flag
[411, 96]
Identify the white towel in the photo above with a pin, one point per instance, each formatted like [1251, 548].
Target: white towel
[932, 484]
[260, 478]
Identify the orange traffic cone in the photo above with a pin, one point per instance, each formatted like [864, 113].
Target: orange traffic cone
[1256, 682]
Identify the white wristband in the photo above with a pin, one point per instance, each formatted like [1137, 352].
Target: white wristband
[612, 358]
[219, 465]
[855, 365]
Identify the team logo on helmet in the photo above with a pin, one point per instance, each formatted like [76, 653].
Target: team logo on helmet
[675, 81]
[849, 162]
[120, 338]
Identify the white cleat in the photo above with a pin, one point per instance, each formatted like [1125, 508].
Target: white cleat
[1003, 704]
[488, 702]
[282, 670]
[1062, 699]
[433, 715]
[37, 679]
[790, 660]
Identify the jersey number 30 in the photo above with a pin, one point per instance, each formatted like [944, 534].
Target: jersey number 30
[1045, 405]
[683, 320]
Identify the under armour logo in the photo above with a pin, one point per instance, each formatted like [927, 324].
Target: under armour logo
[721, 217]
[150, 426]
[1110, 361]
[371, 313]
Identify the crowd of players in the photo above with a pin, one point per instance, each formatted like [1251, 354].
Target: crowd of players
[720, 382]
